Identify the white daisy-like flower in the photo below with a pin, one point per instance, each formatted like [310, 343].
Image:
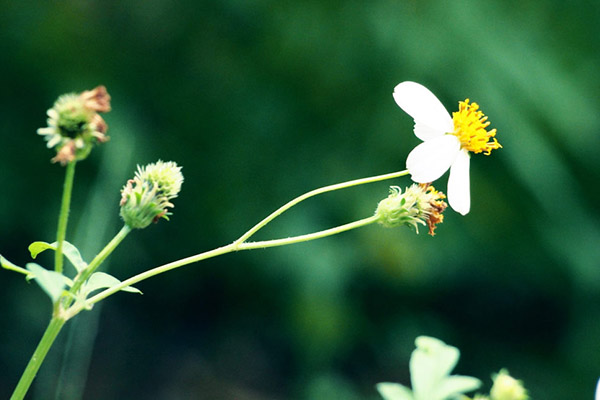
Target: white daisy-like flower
[447, 140]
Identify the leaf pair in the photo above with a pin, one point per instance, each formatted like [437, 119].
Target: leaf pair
[51, 282]
[55, 283]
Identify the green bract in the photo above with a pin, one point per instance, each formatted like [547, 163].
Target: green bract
[418, 205]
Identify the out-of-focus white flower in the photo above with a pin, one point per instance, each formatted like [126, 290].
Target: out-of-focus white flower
[447, 140]
[74, 125]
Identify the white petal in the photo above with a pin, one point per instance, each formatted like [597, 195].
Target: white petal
[54, 140]
[429, 160]
[418, 102]
[425, 132]
[46, 131]
[459, 191]
[52, 113]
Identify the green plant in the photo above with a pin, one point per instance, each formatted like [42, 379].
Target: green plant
[75, 127]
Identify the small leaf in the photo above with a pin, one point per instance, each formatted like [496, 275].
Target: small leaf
[36, 248]
[73, 255]
[12, 267]
[394, 391]
[69, 251]
[102, 280]
[51, 282]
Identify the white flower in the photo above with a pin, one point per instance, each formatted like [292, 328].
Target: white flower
[598, 390]
[447, 140]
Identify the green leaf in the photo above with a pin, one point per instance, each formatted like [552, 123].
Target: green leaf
[73, 255]
[36, 248]
[455, 385]
[69, 251]
[52, 282]
[12, 267]
[102, 280]
[394, 391]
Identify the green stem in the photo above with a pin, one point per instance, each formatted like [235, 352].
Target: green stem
[91, 268]
[159, 270]
[37, 358]
[241, 244]
[64, 216]
[305, 238]
[315, 192]
[228, 249]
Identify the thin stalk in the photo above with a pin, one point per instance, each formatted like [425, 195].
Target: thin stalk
[315, 192]
[228, 249]
[305, 238]
[161, 269]
[37, 358]
[241, 244]
[63, 217]
[105, 252]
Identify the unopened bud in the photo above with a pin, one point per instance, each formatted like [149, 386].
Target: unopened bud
[146, 197]
[506, 387]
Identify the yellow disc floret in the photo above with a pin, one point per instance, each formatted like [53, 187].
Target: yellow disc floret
[469, 127]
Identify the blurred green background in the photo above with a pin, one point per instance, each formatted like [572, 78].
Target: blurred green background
[261, 101]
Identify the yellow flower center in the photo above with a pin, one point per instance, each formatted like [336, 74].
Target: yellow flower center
[469, 127]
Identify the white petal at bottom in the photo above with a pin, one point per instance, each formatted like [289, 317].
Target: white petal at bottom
[459, 190]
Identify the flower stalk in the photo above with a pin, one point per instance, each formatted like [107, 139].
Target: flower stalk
[64, 216]
[243, 244]
[99, 259]
[316, 192]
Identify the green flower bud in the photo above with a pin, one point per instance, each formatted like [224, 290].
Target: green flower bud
[74, 125]
[146, 197]
[506, 387]
[418, 205]
[167, 176]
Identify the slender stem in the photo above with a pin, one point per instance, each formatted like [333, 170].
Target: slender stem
[305, 238]
[159, 270]
[241, 243]
[105, 252]
[315, 192]
[64, 216]
[228, 249]
[37, 358]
